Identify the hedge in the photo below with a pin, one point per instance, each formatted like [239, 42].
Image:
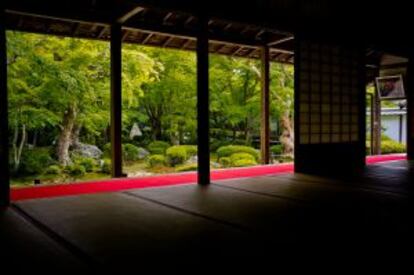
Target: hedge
[227, 151]
[244, 162]
[156, 160]
[158, 147]
[176, 155]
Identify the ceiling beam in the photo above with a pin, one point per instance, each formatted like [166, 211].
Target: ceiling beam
[280, 41]
[102, 32]
[128, 15]
[145, 41]
[167, 41]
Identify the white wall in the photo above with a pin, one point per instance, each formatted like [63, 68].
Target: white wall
[391, 124]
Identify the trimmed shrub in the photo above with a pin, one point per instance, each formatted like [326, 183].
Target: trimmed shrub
[76, 170]
[238, 156]
[190, 149]
[176, 155]
[87, 163]
[390, 146]
[244, 162]
[187, 167]
[130, 152]
[215, 144]
[158, 147]
[156, 160]
[227, 151]
[276, 149]
[53, 170]
[34, 161]
[106, 166]
[225, 162]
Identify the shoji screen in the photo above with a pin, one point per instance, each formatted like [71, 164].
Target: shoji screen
[329, 105]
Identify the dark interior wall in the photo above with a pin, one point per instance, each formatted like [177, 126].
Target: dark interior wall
[329, 106]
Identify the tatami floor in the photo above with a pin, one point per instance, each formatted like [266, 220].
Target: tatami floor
[230, 222]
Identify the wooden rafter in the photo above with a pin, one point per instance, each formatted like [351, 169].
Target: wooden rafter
[128, 15]
[280, 41]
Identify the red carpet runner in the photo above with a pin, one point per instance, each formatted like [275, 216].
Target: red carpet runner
[112, 185]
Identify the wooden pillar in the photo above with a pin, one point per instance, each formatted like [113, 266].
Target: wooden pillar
[203, 104]
[4, 120]
[376, 131]
[116, 100]
[410, 107]
[265, 115]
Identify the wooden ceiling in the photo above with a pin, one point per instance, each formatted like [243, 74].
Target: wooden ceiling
[159, 28]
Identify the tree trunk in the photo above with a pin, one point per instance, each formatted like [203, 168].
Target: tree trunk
[18, 150]
[287, 134]
[156, 129]
[65, 137]
[75, 134]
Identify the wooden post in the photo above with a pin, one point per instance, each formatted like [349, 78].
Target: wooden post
[376, 138]
[4, 120]
[377, 126]
[264, 121]
[203, 104]
[116, 100]
[410, 107]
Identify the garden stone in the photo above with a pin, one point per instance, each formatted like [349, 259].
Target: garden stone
[142, 153]
[87, 150]
[192, 160]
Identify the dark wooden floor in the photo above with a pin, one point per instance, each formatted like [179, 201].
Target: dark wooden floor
[246, 221]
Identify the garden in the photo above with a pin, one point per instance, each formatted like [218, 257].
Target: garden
[59, 110]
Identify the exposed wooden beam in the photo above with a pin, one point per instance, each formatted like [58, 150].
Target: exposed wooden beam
[220, 47]
[265, 104]
[102, 32]
[128, 15]
[168, 16]
[4, 119]
[76, 28]
[228, 26]
[253, 52]
[167, 41]
[203, 154]
[189, 19]
[116, 100]
[280, 41]
[125, 35]
[237, 51]
[186, 44]
[145, 41]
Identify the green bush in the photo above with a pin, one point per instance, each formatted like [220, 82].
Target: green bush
[130, 152]
[53, 170]
[107, 150]
[190, 149]
[276, 149]
[238, 156]
[156, 160]
[176, 155]
[390, 146]
[158, 147]
[225, 162]
[244, 162]
[87, 163]
[216, 143]
[106, 166]
[35, 161]
[76, 170]
[187, 167]
[227, 151]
